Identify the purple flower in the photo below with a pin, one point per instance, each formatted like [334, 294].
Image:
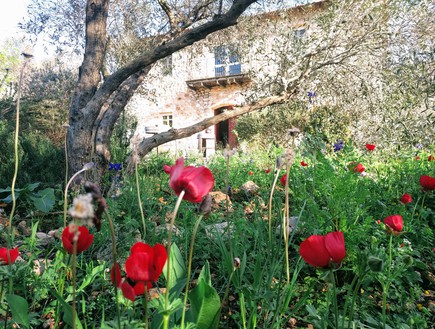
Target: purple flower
[115, 166]
[339, 145]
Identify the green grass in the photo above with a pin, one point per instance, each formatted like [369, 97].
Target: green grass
[326, 196]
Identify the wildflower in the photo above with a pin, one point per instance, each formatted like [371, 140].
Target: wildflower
[283, 179]
[394, 224]
[115, 166]
[84, 239]
[267, 170]
[370, 147]
[320, 250]
[338, 146]
[378, 222]
[250, 173]
[417, 158]
[82, 207]
[359, 168]
[5, 259]
[145, 263]
[406, 198]
[427, 182]
[129, 288]
[430, 158]
[195, 181]
[304, 164]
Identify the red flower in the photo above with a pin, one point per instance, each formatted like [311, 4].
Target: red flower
[143, 266]
[13, 255]
[427, 182]
[417, 158]
[250, 173]
[430, 158]
[145, 263]
[378, 221]
[319, 250]
[359, 168]
[84, 239]
[195, 181]
[394, 224]
[406, 198]
[370, 147]
[304, 164]
[267, 170]
[115, 275]
[283, 179]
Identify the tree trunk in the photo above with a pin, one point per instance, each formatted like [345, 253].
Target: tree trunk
[82, 118]
[95, 108]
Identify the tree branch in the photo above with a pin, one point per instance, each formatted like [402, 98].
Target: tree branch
[165, 49]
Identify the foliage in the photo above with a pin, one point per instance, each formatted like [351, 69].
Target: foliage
[9, 64]
[39, 159]
[325, 195]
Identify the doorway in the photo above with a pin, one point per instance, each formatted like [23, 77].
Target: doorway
[224, 130]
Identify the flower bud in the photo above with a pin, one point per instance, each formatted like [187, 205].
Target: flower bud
[205, 206]
[376, 264]
[88, 166]
[236, 262]
[408, 260]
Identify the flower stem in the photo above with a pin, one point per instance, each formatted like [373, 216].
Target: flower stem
[140, 201]
[269, 217]
[189, 268]
[74, 273]
[285, 223]
[227, 201]
[112, 234]
[334, 299]
[14, 178]
[168, 263]
[386, 283]
[65, 200]
[145, 306]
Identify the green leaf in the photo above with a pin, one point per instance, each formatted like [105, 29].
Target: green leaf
[44, 200]
[20, 309]
[177, 273]
[205, 302]
[205, 274]
[68, 311]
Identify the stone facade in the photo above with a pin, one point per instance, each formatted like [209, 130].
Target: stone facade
[203, 80]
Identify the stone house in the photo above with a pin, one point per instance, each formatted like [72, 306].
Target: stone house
[212, 76]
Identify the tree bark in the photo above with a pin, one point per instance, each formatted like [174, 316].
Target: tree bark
[96, 106]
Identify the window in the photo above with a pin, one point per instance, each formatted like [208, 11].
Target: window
[167, 120]
[227, 61]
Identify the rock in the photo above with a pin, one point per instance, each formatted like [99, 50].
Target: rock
[291, 225]
[250, 188]
[44, 238]
[218, 228]
[219, 199]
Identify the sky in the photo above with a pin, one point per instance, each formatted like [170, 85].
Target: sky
[11, 13]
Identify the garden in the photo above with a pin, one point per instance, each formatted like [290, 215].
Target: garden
[307, 234]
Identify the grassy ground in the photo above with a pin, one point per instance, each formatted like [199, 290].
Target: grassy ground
[385, 281]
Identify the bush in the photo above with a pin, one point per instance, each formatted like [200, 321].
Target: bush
[39, 160]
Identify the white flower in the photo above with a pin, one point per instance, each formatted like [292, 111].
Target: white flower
[82, 207]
